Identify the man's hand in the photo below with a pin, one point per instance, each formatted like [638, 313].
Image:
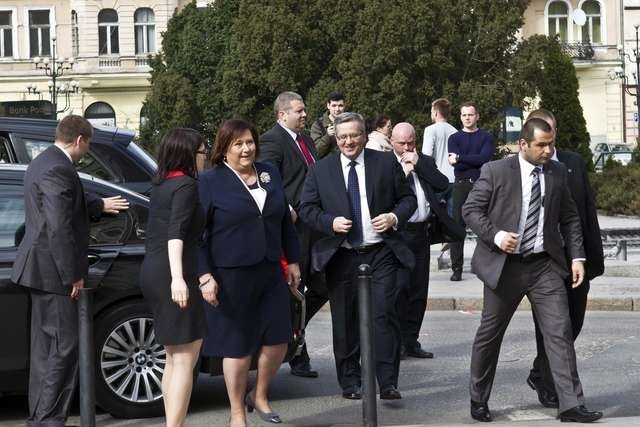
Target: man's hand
[407, 168]
[453, 158]
[331, 130]
[409, 157]
[75, 288]
[383, 222]
[293, 275]
[115, 204]
[577, 273]
[179, 292]
[341, 224]
[509, 242]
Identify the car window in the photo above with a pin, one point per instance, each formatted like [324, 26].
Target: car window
[121, 164]
[128, 226]
[5, 157]
[11, 215]
[619, 148]
[602, 147]
[34, 147]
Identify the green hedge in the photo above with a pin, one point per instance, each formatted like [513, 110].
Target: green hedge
[617, 189]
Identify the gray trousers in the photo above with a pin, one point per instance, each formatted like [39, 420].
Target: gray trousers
[54, 358]
[544, 287]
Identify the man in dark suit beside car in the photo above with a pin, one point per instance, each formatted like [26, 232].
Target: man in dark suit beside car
[540, 378]
[52, 262]
[292, 152]
[413, 285]
[525, 219]
[358, 199]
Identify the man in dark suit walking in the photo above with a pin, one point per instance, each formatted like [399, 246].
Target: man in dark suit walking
[540, 378]
[413, 285]
[292, 152]
[357, 199]
[52, 263]
[525, 219]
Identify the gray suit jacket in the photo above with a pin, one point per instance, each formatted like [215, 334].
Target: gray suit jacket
[495, 203]
[53, 253]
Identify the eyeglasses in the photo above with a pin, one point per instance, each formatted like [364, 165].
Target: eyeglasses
[348, 136]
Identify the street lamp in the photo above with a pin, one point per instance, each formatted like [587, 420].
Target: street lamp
[55, 68]
[619, 73]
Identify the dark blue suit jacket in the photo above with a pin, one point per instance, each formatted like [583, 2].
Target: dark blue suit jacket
[325, 197]
[237, 233]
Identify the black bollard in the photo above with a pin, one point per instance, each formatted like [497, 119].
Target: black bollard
[369, 409]
[86, 359]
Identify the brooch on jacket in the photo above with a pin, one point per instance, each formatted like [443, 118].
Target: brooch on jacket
[265, 178]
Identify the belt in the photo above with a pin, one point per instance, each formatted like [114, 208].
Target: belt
[471, 180]
[361, 250]
[529, 258]
[416, 226]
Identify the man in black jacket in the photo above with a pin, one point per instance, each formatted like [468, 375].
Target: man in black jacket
[578, 180]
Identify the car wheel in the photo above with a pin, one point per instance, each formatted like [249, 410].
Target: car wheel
[129, 362]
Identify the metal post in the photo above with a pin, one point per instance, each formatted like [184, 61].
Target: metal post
[636, 52]
[365, 308]
[86, 359]
[622, 250]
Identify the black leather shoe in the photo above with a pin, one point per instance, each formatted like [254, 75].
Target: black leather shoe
[548, 398]
[303, 369]
[456, 276]
[390, 393]
[480, 412]
[352, 393]
[580, 414]
[417, 351]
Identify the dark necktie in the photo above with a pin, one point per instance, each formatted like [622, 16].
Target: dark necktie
[412, 183]
[353, 188]
[533, 215]
[308, 157]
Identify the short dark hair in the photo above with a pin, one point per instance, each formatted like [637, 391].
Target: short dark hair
[335, 96]
[543, 114]
[229, 132]
[177, 152]
[529, 127]
[348, 117]
[442, 106]
[73, 126]
[378, 121]
[469, 104]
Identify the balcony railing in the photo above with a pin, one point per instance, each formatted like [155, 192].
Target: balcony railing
[109, 62]
[582, 51]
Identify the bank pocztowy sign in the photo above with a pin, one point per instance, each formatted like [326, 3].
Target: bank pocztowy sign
[33, 109]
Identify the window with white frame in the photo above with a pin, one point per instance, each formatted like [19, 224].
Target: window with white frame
[39, 33]
[558, 20]
[145, 30]
[591, 30]
[6, 34]
[108, 40]
[75, 34]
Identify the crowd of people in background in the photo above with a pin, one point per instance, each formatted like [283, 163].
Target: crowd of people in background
[351, 193]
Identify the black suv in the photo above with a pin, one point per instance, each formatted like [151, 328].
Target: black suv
[129, 362]
[113, 156]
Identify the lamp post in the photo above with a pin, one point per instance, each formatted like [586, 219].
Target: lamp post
[55, 68]
[619, 73]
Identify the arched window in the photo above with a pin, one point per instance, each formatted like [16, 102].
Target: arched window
[591, 30]
[108, 43]
[558, 19]
[101, 114]
[75, 34]
[145, 28]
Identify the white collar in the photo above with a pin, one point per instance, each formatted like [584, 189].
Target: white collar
[65, 152]
[344, 160]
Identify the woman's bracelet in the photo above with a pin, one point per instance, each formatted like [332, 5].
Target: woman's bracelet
[200, 285]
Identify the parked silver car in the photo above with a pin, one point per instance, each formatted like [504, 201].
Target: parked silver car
[602, 152]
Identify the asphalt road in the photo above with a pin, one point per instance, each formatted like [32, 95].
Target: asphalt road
[434, 391]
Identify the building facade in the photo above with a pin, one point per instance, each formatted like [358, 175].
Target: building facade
[591, 31]
[101, 50]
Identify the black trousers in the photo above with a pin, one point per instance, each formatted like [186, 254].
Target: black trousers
[341, 281]
[53, 369]
[461, 191]
[577, 298]
[413, 285]
[545, 289]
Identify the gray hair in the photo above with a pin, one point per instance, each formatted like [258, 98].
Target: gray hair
[283, 101]
[348, 117]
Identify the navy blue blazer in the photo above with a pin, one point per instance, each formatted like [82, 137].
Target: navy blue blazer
[325, 197]
[237, 234]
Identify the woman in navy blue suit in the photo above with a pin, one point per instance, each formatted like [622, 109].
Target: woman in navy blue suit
[248, 228]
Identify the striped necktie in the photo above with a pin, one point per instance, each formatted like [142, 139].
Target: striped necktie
[533, 215]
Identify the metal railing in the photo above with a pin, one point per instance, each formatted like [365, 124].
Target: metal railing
[582, 51]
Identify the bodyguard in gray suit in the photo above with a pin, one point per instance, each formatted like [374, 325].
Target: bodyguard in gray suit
[52, 263]
[524, 216]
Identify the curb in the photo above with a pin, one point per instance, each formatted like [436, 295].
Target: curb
[475, 304]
